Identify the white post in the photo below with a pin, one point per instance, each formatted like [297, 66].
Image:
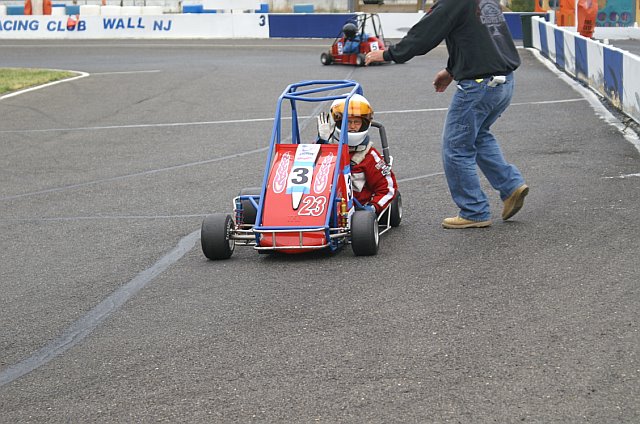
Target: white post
[37, 7]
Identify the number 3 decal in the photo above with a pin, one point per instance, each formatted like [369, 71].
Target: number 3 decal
[301, 173]
[313, 206]
[262, 20]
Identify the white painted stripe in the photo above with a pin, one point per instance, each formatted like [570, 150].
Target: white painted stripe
[26, 90]
[137, 174]
[102, 217]
[420, 177]
[252, 120]
[126, 72]
[197, 215]
[624, 176]
[120, 127]
[82, 75]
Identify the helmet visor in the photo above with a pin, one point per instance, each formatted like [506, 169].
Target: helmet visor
[362, 120]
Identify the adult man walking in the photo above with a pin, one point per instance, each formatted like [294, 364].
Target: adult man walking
[482, 58]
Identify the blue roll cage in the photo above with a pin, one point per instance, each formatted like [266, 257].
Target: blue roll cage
[292, 94]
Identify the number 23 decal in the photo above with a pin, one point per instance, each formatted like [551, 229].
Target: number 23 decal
[312, 205]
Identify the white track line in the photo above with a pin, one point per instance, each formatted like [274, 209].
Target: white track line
[153, 71]
[137, 174]
[253, 120]
[81, 75]
[38, 87]
[205, 162]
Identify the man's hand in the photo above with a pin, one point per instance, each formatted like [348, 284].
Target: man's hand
[324, 127]
[442, 80]
[374, 56]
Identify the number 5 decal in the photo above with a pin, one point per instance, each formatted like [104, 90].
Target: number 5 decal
[347, 180]
[313, 206]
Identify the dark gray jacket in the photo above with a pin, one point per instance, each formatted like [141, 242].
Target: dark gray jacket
[476, 34]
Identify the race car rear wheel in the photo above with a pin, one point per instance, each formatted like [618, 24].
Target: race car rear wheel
[215, 236]
[326, 58]
[396, 210]
[249, 211]
[365, 237]
[360, 59]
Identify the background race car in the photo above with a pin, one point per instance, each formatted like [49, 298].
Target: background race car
[357, 38]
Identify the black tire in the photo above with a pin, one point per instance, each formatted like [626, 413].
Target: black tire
[249, 211]
[396, 210]
[215, 236]
[365, 237]
[326, 59]
[360, 59]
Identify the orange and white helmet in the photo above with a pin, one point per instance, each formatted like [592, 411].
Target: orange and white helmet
[358, 107]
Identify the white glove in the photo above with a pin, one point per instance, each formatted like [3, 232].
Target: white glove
[325, 128]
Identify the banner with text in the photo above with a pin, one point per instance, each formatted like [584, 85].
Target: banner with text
[246, 25]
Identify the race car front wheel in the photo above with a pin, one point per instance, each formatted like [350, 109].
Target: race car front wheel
[215, 236]
[326, 59]
[365, 237]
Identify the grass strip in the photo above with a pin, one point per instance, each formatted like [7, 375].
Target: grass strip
[13, 79]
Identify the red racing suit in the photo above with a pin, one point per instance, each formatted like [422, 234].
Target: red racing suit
[372, 179]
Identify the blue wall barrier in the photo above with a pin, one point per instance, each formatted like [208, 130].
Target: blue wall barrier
[13, 10]
[192, 8]
[72, 9]
[329, 25]
[315, 25]
[607, 70]
[515, 24]
[293, 25]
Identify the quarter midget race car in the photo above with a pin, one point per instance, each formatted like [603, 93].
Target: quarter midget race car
[306, 200]
[353, 43]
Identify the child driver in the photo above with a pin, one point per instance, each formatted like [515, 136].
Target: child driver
[374, 184]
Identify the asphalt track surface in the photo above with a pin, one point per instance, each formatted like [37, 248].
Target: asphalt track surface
[110, 312]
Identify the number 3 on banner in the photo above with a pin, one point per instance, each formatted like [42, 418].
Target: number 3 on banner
[313, 206]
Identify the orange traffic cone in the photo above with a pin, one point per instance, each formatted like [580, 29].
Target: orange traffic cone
[566, 13]
[587, 13]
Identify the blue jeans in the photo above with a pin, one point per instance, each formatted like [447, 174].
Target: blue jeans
[467, 142]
